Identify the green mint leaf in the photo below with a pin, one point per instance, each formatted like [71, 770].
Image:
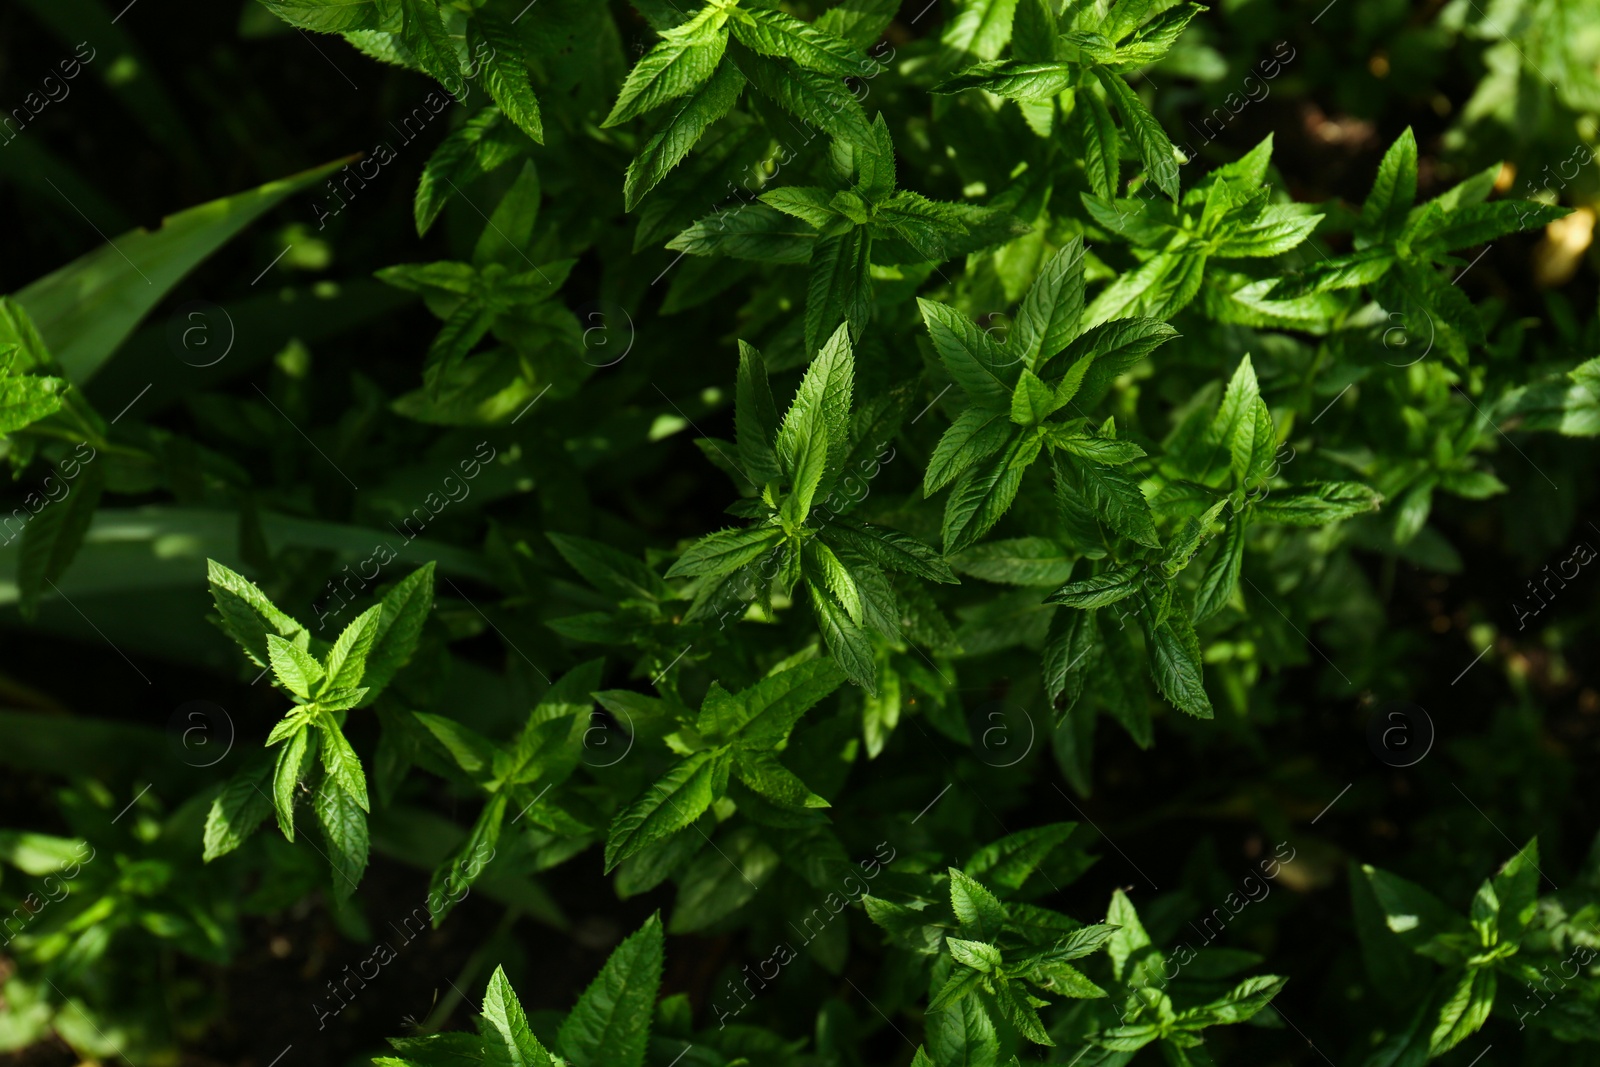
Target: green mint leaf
[889, 548]
[1174, 653]
[1098, 590]
[840, 286]
[1031, 401]
[342, 763]
[612, 572]
[1316, 504]
[1027, 561]
[1051, 312]
[817, 99]
[610, 1024]
[974, 954]
[821, 406]
[1103, 450]
[507, 1039]
[678, 135]
[725, 551]
[764, 715]
[247, 615]
[805, 202]
[399, 628]
[1069, 654]
[683, 59]
[27, 398]
[453, 879]
[347, 660]
[344, 829]
[846, 640]
[670, 805]
[774, 33]
[1222, 577]
[1115, 497]
[976, 434]
[295, 668]
[326, 16]
[1116, 347]
[764, 774]
[487, 142]
[980, 28]
[984, 493]
[823, 567]
[978, 364]
[505, 73]
[1383, 215]
[979, 911]
[1015, 79]
[750, 231]
[292, 759]
[755, 418]
[1155, 149]
[861, 22]
[236, 813]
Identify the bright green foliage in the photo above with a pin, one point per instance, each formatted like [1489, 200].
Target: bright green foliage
[1075, 59]
[1511, 943]
[1400, 245]
[803, 535]
[1057, 376]
[733, 733]
[610, 1023]
[848, 231]
[325, 681]
[1142, 993]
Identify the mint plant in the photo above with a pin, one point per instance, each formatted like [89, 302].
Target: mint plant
[801, 535]
[808, 425]
[325, 682]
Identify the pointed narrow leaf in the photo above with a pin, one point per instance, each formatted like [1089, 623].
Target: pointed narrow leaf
[977, 433]
[684, 58]
[505, 73]
[1049, 317]
[840, 287]
[671, 804]
[677, 136]
[1155, 148]
[982, 369]
[1098, 590]
[610, 1024]
[241, 807]
[848, 642]
[1383, 215]
[344, 829]
[507, 1039]
[286, 777]
[294, 668]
